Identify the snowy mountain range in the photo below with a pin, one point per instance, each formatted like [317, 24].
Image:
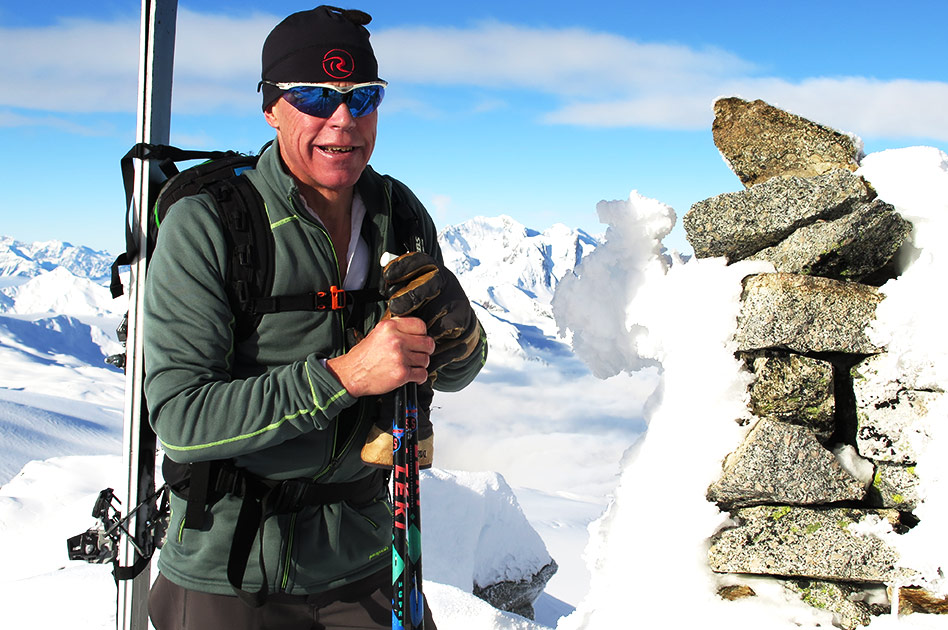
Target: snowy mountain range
[507, 269]
[20, 260]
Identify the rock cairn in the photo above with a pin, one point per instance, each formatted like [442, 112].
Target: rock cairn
[829, 455]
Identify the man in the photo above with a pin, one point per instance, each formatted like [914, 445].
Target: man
[297, 398]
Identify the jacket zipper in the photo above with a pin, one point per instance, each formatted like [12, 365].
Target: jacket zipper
[334, 456]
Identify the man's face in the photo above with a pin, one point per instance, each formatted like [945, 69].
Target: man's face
[326, 154]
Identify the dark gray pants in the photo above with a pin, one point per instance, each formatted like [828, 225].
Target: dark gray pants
[365, 605]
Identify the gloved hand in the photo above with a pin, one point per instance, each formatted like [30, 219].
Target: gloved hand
[416, 285]
[377, 451]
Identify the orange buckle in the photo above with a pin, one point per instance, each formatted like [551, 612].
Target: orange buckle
[338, 297]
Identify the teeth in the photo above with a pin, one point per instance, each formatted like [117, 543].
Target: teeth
[337, 149]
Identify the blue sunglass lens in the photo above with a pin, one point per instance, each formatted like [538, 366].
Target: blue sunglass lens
[321, 102]
[365, 100]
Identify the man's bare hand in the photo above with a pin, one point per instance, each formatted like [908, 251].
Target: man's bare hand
[395, 352]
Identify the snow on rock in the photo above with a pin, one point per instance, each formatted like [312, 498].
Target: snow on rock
[475, 531]
[910, 322]
[457, 609]
[691, 428]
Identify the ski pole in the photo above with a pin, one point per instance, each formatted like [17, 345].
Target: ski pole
[416, 595]
[408, 602]
[400, 552]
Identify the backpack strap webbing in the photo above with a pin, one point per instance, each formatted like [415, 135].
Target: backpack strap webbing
[331, 300]
[250, 247]
[166, 157]
[261, 498]
[407, 224]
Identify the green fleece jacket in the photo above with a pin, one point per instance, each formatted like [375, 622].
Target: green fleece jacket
[267, 402]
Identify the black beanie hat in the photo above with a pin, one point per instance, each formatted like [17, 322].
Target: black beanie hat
[321, 45]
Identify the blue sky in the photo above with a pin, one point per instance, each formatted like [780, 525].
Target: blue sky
[535, 110]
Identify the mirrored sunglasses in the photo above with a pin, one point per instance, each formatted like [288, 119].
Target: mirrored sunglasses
[322, 99]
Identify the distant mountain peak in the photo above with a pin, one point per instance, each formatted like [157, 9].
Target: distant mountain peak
[28, 260]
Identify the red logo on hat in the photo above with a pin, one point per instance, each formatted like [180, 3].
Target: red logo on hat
[338, 64]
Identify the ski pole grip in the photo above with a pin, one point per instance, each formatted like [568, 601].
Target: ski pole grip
[387, 257]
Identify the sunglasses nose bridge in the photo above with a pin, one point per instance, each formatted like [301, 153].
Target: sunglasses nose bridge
[342, 114]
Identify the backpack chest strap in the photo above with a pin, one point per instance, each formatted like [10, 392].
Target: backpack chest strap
[331, 300]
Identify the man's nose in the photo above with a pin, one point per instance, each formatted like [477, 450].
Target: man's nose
[342, 117]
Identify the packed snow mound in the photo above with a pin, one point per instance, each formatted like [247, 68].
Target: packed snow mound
[594, 308]
[478, 532]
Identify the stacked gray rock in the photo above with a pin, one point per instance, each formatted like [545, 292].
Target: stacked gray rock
[831, 444]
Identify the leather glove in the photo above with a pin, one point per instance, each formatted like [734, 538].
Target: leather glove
[418, 286]
[377, 451]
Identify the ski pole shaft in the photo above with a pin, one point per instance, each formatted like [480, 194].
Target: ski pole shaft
[416, 595]
[401, 619]
[408, 602]
[407, 595]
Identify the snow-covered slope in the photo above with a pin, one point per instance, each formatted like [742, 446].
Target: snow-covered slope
[57, 323]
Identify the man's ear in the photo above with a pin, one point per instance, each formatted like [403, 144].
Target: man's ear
[271, 117]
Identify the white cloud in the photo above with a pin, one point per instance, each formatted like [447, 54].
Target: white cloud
[895, 108]
[77, 65]
[568, 62]
[86, 65]
[217, 61]
[16, 119]
[587, 78]
[440, 206]
[601, 79]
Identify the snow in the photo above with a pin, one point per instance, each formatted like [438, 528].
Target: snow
[543, 437]
[493, 542]
[911, 325]
[849, 458]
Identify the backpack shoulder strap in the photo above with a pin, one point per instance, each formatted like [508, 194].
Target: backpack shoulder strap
[165, 157]
[250, 248]
[409, 233]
